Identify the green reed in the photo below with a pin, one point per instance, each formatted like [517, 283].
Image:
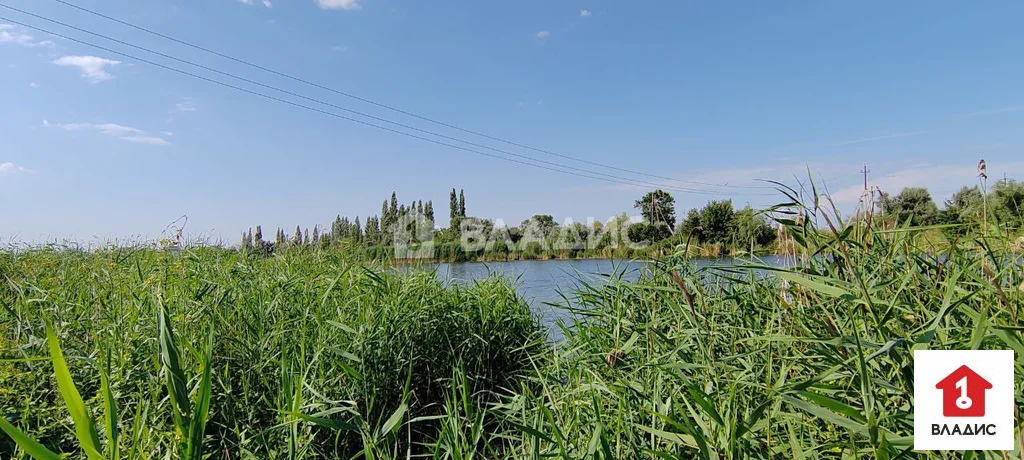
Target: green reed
[212, 353]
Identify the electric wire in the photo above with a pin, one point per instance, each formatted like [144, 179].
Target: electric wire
[391, 107]
[355, 120]
[318, 101]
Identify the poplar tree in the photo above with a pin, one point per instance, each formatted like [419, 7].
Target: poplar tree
[357, 231]
[305, 239]
[384, 212]
[346, 227]
[398, 220]
[453, 213]
[258, 239]
[279, 238]
[336, 227]
[372, 232]
[410, 220]
[298, 236]
[462, 204]
[394, 208]
[428, 210]
[316, 234]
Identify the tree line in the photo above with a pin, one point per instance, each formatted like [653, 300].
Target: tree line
[541, 236]
[717, 228]
[1001, 205]
[376, 230]
[718, 225]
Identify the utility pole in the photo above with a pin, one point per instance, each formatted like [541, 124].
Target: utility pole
[869, 194]
[654, 202]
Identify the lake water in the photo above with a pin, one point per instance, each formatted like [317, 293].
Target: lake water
[543, 282]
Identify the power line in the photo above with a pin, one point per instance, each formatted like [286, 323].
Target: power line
[393, 108]
[318, 101]
[343, 117]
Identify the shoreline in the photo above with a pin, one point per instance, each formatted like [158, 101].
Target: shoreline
[437, 261]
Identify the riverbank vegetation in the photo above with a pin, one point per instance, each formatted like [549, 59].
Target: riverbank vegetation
[813, 361]
[716, 229]
[309, 352]
[297, 355]
[408, 232]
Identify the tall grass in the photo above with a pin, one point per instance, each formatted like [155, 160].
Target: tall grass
[307, 354]
[759, 361]
[209, 352]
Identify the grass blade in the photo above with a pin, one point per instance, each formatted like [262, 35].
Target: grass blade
[85, 429]
[110, 414]
[29, 445]
[174, 378]
[197, 428]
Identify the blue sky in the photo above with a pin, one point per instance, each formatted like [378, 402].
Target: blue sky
[96, 146]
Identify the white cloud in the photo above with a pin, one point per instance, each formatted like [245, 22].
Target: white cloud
[91, 68]
[8, 168]
[879, 138]
[341, 48]
[151, 140]
[186, 106]
[338, 4]
[266, 3]
[542, 34]
[121, 132]
[585, 13]
[33, 85]
[11, 34]
[1012, 108]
